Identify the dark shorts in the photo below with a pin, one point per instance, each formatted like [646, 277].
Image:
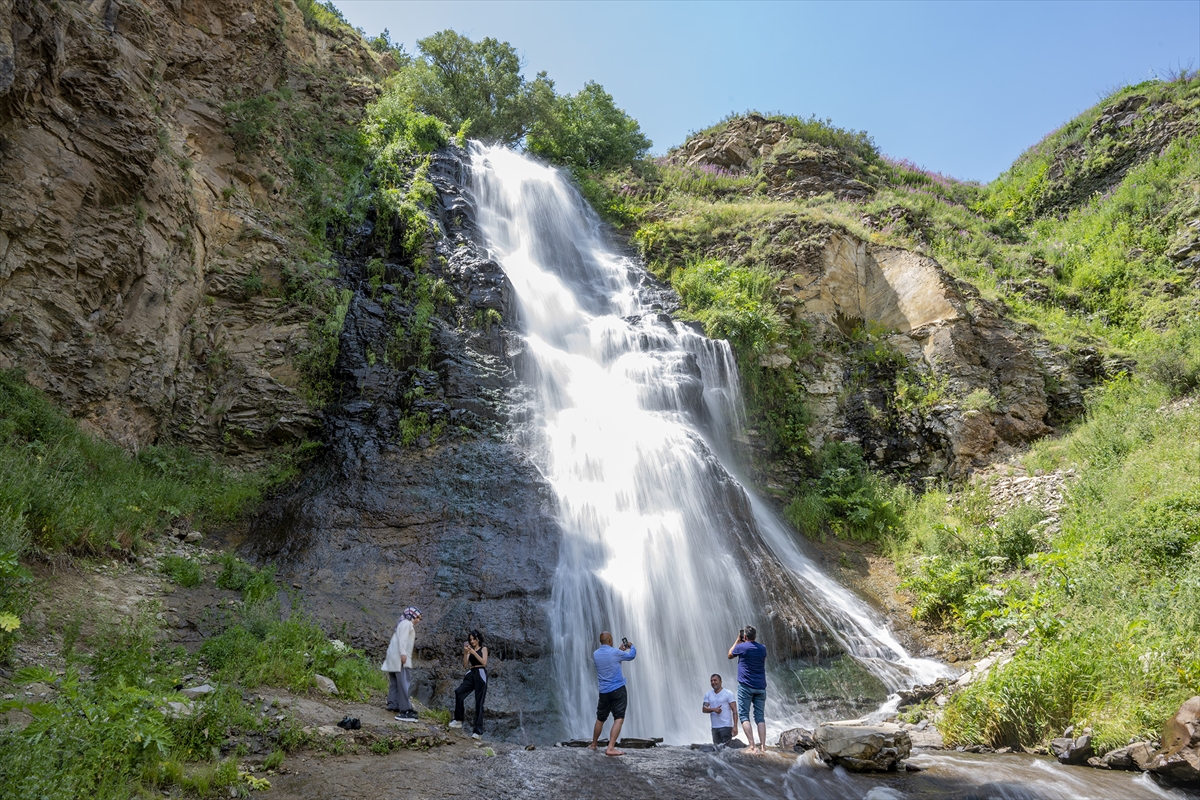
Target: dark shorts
[722, 735]
[611, 703]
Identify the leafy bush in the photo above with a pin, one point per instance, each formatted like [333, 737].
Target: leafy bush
[256, 585]
[459, 81]
[1173, 359]
[587, 131]
[250, 121]
[734, 303]
[324, 16]
[109, 736]
[182, 570]
[287, 653]
[846, 497]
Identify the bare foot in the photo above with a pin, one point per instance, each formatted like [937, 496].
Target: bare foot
[592, 746]
[612, 751]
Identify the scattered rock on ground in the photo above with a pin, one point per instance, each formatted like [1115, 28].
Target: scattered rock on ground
[326, 685]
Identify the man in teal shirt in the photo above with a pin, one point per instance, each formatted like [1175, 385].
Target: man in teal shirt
[613, 696]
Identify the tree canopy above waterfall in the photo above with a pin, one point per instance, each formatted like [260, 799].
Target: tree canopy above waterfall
[477, 88]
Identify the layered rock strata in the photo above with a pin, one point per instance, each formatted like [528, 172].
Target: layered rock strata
[946, 383]
[141, 256]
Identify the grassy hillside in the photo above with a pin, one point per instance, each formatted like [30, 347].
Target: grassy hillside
[1093, 238]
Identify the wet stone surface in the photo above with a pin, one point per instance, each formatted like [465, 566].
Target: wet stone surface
[455, 520]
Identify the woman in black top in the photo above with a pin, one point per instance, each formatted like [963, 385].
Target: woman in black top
[475, 658]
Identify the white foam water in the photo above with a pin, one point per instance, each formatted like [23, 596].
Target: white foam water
[630, 416]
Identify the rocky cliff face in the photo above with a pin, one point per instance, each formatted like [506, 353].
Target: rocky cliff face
[142, 257]
[786, 166]
[420, 498]
[917, 368]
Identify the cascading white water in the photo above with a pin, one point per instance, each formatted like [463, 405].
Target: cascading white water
[625, 401]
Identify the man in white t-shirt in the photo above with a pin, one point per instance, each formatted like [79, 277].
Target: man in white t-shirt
[721, 706]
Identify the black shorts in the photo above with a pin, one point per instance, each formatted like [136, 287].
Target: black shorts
[722, 735]
[612, 703]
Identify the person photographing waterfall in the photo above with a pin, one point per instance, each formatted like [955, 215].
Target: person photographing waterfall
[752, 683]
[613, 696]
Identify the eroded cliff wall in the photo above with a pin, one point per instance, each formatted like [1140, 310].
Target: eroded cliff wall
[142, 256]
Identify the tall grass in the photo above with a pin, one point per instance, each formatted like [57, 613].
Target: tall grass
[109, 730]
[75, 492]
[1121, 648]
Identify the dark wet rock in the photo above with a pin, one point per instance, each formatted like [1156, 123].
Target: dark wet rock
[1072, 750]
[1136, 756]
[448, 517]
[863, 748]
[909, 697]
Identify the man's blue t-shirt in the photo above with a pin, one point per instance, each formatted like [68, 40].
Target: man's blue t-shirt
[752, 664]
[608, 666]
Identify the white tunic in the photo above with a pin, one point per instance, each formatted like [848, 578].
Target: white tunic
[401, 644]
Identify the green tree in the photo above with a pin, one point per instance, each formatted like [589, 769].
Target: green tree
[458, 80]
[587, 131]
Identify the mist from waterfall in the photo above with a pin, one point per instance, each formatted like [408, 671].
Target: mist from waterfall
[629, 420]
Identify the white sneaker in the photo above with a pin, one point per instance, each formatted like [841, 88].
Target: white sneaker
[455, 723]
[476, 736]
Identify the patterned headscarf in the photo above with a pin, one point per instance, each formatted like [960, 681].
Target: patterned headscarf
[411, 613]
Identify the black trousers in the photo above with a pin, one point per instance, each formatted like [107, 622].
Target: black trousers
[474, 681]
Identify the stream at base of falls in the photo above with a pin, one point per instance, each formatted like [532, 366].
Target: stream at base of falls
[503, 771]
[630, 417]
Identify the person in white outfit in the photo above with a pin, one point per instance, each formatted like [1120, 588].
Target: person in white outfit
[398, 664]
[721, 706]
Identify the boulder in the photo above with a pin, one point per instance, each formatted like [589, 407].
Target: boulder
[863, 748]
[326, 685]
[797, 739]
[1179, 760]
[1136, 756]
[1072, 751]
[192, 692]
[909, 697]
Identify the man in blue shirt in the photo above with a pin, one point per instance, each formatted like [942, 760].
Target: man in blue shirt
[752, 683]
[612, 690]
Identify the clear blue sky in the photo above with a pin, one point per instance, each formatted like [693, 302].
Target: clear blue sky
[962, 88]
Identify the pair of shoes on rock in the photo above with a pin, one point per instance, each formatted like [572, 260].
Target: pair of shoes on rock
[454, 723]
[406, 716]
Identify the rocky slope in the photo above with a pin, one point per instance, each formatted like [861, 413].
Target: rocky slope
[975, 385]
[142, 256]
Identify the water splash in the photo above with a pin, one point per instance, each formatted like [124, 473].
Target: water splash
[661, 543]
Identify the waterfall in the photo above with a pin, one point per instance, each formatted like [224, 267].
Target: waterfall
[628, 419]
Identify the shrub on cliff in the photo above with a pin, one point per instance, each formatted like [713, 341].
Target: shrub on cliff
[458, 80]
[587, 131]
